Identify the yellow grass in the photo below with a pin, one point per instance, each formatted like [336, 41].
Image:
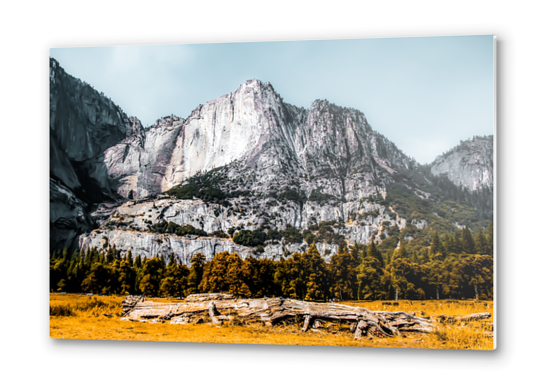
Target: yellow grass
[81, 317]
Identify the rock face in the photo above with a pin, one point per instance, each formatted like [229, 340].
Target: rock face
[139, 162]
[69, 216]
[469, 165]
[269, 165]
[83, 124]
[253, 132]
[129, 228]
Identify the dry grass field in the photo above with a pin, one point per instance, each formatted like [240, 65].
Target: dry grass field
[82, 317]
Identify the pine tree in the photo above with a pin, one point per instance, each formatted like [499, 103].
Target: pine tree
[450, 245]
[425, 256]
[113, 284]
[415, 258]
[389, 257]
[436, 247]
[466, 241]
[451, 278]
[96, 279]
[357, 252]
[373, 251]
[281, 277]
[129, 258]
[126, 278]
[237, 276]
[370, 276]
[480, 243]
[435, 279]
[73, 284]
[58, 270]
[175, 279]
[116, 254]
[478, 272]
[110, 256]
[264, 282]
[457, 242]
[490, 239]
[343, 275]
[138, 268]
[195, 276]
[290, 276]
[260, 277]
[317, 284]
[401, 272]
[151, 276]
[86, 258]
[215, 273]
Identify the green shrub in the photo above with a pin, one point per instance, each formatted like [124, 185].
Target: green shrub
[309, 236]
[205, 187]
[220, 234]
[249, 238]
[273, 234]
[326, 234]
[179, 230]
[292, 235]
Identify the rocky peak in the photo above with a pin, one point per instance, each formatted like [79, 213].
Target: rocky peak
[246, 124]
[166, 122]
[84, 121]
[469, 164]
[137, 127]
[260, 139]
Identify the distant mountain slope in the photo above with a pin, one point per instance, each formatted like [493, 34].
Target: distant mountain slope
[469, 165]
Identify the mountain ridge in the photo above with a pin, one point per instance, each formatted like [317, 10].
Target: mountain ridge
[243, 161]
[469, 164]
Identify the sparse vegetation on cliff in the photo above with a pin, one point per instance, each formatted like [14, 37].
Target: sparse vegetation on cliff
[179, 230]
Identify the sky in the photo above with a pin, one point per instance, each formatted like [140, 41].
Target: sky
[425, 94]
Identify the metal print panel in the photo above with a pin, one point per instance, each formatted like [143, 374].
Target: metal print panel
[330, 192]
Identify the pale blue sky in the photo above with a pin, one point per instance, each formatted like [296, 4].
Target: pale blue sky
[425, 93]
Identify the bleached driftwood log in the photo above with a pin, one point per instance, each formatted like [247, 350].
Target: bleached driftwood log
[216, 308]
[462, 318]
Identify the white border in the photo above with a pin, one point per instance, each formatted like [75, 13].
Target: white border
[30, 29]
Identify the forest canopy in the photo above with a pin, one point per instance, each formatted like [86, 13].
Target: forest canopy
[454, 266]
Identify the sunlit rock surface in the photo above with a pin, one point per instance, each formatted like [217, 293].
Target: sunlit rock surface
[469, 165]
[278, 165]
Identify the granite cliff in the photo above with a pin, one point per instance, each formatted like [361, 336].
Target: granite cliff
[469, 165]
[83, 124]
[246, 162]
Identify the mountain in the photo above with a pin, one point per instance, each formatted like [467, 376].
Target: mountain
[254, 129]
[468, 165]
[83, 124]
[246, 172]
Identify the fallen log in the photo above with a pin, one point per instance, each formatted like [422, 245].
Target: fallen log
[130, 303]
[217, 308]
[463, 318]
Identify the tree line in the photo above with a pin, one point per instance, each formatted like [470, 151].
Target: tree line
[455, 266]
